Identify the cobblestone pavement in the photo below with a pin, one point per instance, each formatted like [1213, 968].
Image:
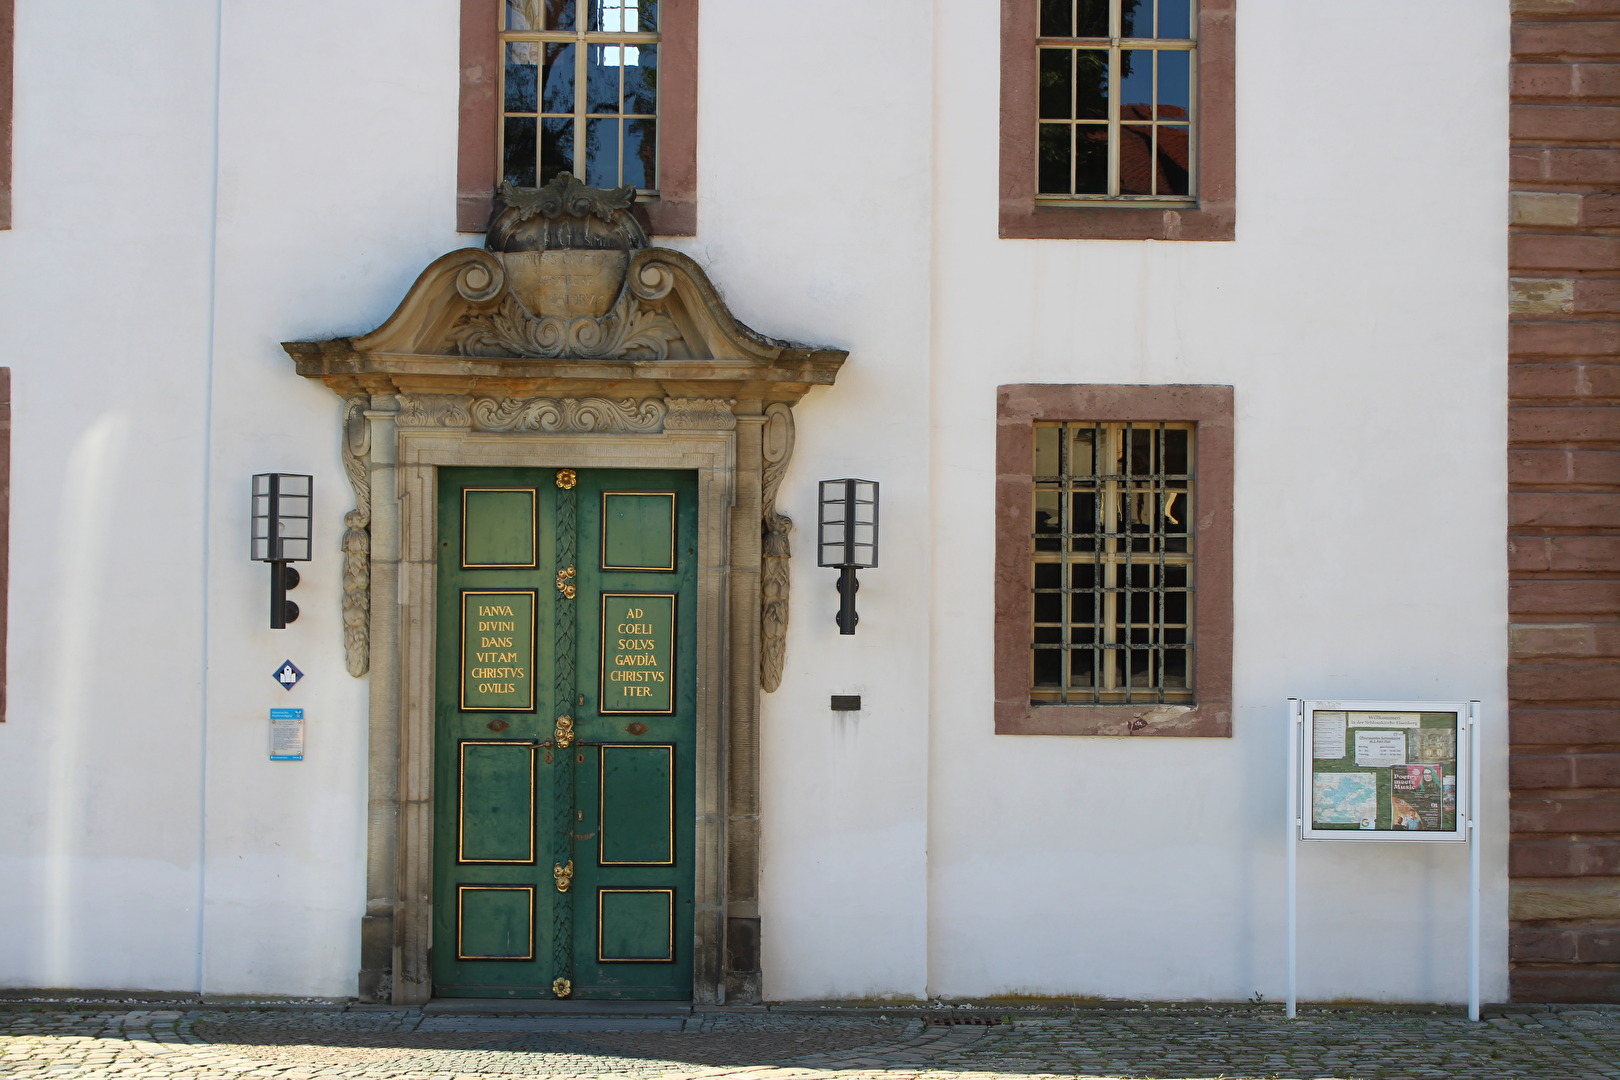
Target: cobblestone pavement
[1163, 1043]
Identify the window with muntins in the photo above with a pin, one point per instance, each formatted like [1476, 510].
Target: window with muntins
[1116, 113]
[579, 92]
[1113, 563]
[1113, 581]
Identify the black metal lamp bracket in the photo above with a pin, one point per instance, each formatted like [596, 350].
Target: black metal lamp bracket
[283, 576]
[848, 586]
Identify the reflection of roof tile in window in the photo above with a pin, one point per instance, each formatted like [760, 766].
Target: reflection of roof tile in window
[1138, 167]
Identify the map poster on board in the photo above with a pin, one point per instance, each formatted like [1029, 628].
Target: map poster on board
[1382, 770]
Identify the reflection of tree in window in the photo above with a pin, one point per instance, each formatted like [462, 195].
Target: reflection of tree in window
[579, 92]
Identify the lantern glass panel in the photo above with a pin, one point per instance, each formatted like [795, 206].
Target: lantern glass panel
[295, 550]
[294, 485]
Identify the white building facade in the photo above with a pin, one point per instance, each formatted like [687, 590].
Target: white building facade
[196, 182]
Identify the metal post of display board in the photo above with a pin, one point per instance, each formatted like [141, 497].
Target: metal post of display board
[1468, 800]
[1296, 722]
[1474, 754]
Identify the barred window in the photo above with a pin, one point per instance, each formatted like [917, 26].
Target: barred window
[579, 92]
[1113, 563]
[1117, 109]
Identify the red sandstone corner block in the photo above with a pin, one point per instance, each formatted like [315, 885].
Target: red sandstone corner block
[1581, 554]
[1541, 597]
[1564, 466]
[1562, 251]
[1563, 857]
[1569, 945]
[1594, 296]
[1566, 38]
[1564, 339]
[1528, 380]
[1582, 639]
[1531, 423]
[1572, 987]
[1564, 165]
[1543, 80]
[1590, 681]
[1572, 815]
[1564, 123]
[1530, 726]
[1565, 509]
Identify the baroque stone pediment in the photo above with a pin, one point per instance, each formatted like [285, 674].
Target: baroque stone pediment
[572, 299]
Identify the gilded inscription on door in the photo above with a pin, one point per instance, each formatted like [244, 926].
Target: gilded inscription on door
[497, 651]
[638, 649]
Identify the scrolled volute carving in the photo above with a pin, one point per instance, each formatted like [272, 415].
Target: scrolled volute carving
[776, 550]
[628, 332]
[357, 539]
[481, 277]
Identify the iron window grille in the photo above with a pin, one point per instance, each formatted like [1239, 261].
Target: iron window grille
[579, 92]
[1117, 111]
[1113, 563]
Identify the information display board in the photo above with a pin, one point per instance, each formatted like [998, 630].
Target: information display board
[1384, 770]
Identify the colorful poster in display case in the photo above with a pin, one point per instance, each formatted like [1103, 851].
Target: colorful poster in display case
[1384, 770]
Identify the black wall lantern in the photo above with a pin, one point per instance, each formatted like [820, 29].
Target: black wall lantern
[847, 538]
[282, 510]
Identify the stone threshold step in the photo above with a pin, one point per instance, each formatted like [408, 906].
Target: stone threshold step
[552, 1007]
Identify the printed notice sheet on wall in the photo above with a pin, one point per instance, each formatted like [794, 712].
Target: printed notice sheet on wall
[286, 734]
[1384, 771]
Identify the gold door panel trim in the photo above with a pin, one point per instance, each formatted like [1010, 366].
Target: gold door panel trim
[668, 958]
[461, 897]
[534, 531]
[461, 803]
[601, 803]
[672, 526]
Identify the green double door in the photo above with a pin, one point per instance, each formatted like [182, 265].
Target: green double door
[565, 722]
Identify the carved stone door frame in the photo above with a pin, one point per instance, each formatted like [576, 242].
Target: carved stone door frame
[570, 344]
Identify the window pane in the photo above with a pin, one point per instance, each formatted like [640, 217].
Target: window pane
[1055, 161]
[1175, 19]
[1057, 84]
[1048, 608]
[1094, 18]
[1057, 18]
[1091, 160]
[540, 14]
[557, 80]
[1174, 160]
[622, 16]
[1046, 520]
[1048, 667]
[602, 153]
[641, 79]
[641, 154]
[556, 148]
[518, 167]
[1048, 575]
[1091, 83]
[1134, 16]
[602, 65]
[1135, 160]
[1046, 450]
[522, 76]
[1136, 84]
[1175, 451]
[1083, 452]
[1175, 85]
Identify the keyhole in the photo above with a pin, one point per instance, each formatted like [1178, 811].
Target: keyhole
[580, 815]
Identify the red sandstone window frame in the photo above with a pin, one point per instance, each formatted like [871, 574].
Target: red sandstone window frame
[673, 212]
[1023, 217]
[1018, 408]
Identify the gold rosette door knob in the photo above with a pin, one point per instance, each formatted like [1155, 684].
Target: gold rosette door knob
[565, 582]
[562, 987]
[564, 875]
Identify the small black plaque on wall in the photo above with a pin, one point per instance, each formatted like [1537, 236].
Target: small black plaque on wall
[846, 703]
